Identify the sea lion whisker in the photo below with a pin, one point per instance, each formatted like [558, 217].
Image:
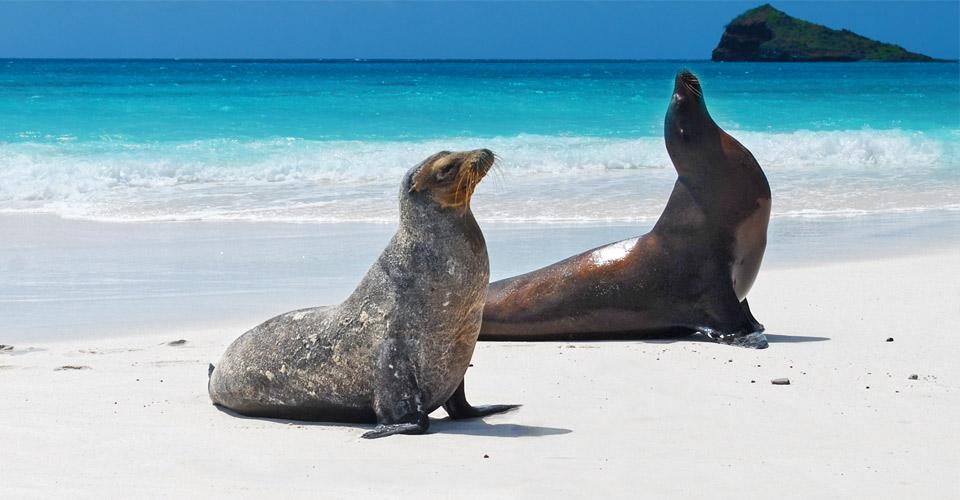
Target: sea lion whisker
[475, 179]
[690, 83]
[495, 164]
[460, 184]
[695, 87]
[498, 174]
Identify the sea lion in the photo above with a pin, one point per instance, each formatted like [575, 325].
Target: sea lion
[398, 347]
[691, 273]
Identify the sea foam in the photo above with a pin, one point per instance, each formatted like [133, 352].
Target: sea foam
[538, 178]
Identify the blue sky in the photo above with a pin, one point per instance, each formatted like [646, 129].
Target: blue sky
[507, 30]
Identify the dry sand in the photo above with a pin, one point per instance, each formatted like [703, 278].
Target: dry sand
[621, 419]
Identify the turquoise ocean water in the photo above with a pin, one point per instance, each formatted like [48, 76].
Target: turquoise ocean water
[578, 141]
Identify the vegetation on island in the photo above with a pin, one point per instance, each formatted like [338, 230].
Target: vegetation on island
[767, 34]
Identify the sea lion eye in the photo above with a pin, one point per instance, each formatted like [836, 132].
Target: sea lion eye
[445, 171]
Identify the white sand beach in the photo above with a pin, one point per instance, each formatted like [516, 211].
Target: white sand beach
[174, 174]
[129, 414]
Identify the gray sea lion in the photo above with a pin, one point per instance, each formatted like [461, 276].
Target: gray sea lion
[398, 347]
[691, 273]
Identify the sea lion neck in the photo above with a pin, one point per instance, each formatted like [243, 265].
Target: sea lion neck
[712, 189]
[420, 218]
[691, 136]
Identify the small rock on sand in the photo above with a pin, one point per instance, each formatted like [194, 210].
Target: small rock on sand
[914, 377]
[177, 342]
[780, 381]
[72, 367]
[889, 339]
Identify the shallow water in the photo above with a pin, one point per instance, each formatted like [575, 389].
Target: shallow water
[74, 279]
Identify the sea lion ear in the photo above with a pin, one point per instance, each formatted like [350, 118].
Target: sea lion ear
[415, 184]
[414, 179]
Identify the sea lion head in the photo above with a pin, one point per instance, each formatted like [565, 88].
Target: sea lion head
[447, 179]
[688, 127]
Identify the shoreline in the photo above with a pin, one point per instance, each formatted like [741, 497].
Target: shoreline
[80, 279]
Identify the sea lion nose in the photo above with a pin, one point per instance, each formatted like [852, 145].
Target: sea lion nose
[483, 154]
[483, 159]
[686, 83]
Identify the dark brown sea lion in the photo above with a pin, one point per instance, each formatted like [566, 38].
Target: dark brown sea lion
[691, 273]
[398, 347]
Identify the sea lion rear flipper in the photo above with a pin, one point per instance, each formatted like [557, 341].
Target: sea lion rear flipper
[458, 408]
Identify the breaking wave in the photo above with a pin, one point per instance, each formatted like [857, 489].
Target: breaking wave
[539, 178]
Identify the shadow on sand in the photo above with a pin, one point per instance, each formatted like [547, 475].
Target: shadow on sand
[468, 427]
[699, 338]
[477, 427]
[793, 339]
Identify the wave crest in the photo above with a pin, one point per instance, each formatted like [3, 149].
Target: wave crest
[539, 178]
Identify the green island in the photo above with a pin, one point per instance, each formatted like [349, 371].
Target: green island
[767, 34]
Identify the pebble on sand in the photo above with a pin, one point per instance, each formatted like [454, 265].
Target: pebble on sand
[914, 377]
[780, 381]
[889, 339]
[177, 342]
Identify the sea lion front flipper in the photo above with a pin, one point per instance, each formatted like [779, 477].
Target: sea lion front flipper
[458, 408]
[757, 326]
[750, 340]
[384, 430]
[397, 396]
[731, 323]
[401, 417]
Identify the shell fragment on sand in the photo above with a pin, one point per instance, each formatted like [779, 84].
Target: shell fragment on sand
[72, 367]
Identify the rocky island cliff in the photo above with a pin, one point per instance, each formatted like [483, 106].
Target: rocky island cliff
[767, 34]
